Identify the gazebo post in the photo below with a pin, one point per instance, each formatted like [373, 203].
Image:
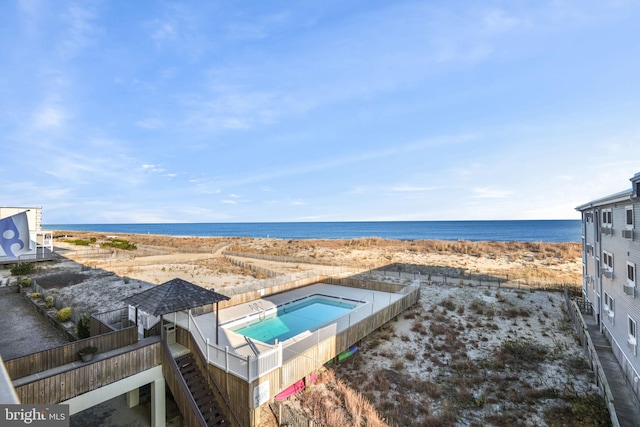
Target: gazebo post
[217, 322]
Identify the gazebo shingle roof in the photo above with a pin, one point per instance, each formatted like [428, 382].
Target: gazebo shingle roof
[174, 295]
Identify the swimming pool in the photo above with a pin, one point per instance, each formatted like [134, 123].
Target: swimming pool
[293, 318]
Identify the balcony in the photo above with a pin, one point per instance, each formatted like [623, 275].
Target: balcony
[607, 273]
[607, 230]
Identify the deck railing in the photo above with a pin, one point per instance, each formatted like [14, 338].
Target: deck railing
[44, 360]
[60, 385]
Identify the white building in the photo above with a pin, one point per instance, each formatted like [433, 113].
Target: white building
[610, 262]
[41, 245]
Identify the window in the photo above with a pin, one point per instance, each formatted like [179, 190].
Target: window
[632, 340]
[588, 216]
[629, 216]
[609, 305]
[630, 286]
[607, 222]
[607, 261]
[631, 274]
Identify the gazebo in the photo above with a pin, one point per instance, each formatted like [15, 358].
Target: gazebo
[171, 297]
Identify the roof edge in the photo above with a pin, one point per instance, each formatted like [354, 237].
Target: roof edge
[621, 196]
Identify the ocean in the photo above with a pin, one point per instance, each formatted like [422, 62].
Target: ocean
[505, 231]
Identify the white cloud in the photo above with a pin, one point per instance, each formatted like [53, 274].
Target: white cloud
[498, 21]
[163, 31]
[150, 123]
[153, 168]
[80, 31]
[49, 117]
[412, 189]
[490, 193]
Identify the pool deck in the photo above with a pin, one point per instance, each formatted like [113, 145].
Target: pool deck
[374, 301]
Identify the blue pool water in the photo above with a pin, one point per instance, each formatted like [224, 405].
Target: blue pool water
[293, 319]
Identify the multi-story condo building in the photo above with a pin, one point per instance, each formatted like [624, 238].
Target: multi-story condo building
[611, 264]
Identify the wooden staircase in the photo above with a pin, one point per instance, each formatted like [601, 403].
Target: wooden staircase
[200, 390]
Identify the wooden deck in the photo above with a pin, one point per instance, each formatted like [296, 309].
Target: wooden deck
[66, 381]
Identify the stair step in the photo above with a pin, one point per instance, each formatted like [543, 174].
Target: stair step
[191, 374]
[202, 397]
[185, 360]
[211, 407]
[197, 387]
[219, 420]
[209, 412]
[200, 390]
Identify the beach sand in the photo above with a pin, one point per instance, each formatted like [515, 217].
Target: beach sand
[415, 349]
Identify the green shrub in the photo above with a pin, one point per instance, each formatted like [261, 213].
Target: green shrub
[25, 281]
[48, 301]
[119, 244]
[23, 269]
[84, 330]
[64, 314]
[78, 242]
[36, 295]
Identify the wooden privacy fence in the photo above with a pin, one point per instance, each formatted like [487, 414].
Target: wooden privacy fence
[54, 357]
[81, 379]
[108, 321]
[590, 351]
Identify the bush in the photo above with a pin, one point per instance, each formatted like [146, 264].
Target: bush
[23, 269]
[64, 314]
[79, 242]
[25, 281]
[36, 295]
[84, 330]
[48, 301]
[119, 244]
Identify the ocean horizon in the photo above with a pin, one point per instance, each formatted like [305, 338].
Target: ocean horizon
[485, 230]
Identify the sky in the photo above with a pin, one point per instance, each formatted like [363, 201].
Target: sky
[122, 111]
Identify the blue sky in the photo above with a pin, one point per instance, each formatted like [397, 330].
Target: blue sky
[242, 111]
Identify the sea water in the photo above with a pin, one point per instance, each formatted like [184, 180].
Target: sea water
[509, 230]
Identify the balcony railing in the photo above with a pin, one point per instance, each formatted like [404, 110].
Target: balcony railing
[627, 234]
